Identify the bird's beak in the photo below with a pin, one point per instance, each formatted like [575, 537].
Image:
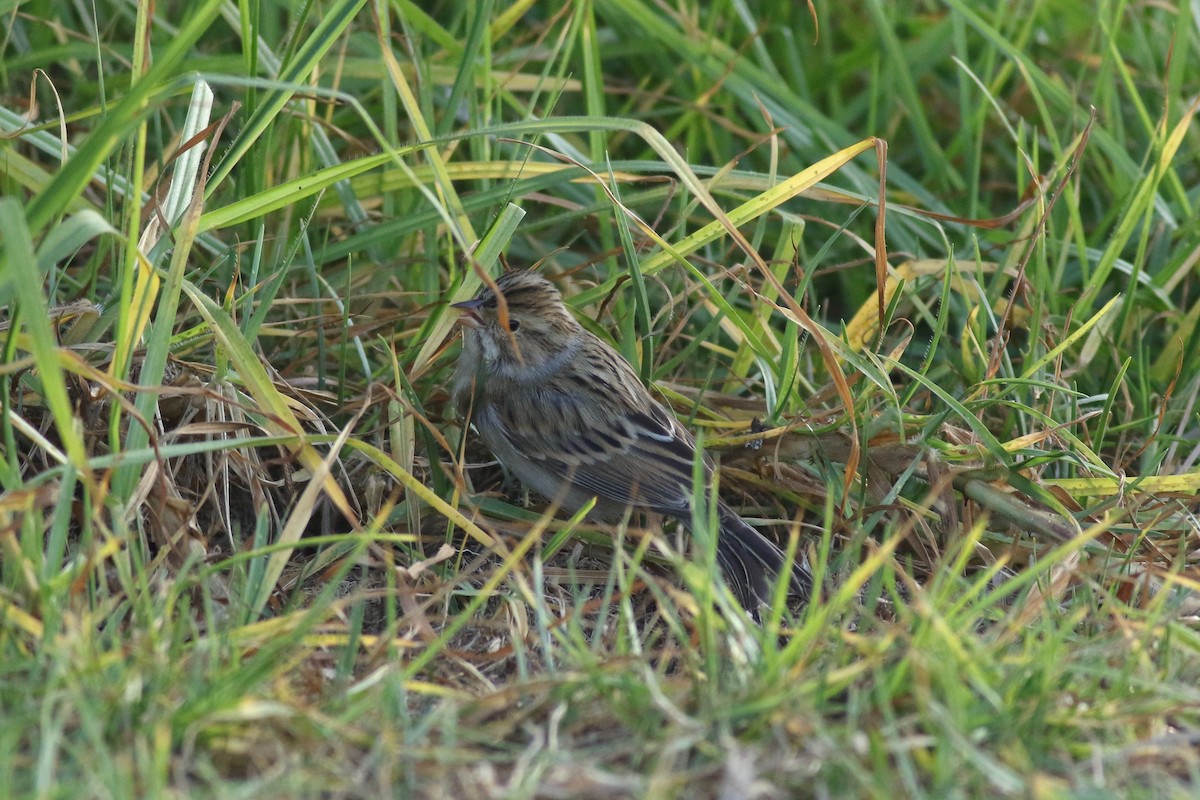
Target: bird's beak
[468, 311]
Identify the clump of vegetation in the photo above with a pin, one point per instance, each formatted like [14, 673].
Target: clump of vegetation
[921, 277]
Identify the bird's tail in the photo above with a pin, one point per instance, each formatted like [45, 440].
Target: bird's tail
[752, 563]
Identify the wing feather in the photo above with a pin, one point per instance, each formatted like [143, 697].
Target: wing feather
[629, 450]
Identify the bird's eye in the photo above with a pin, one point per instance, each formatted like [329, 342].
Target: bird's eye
[513, 324]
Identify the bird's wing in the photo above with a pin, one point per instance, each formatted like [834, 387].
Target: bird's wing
[633, 453]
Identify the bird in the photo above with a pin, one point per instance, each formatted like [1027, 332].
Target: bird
[569, 417]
